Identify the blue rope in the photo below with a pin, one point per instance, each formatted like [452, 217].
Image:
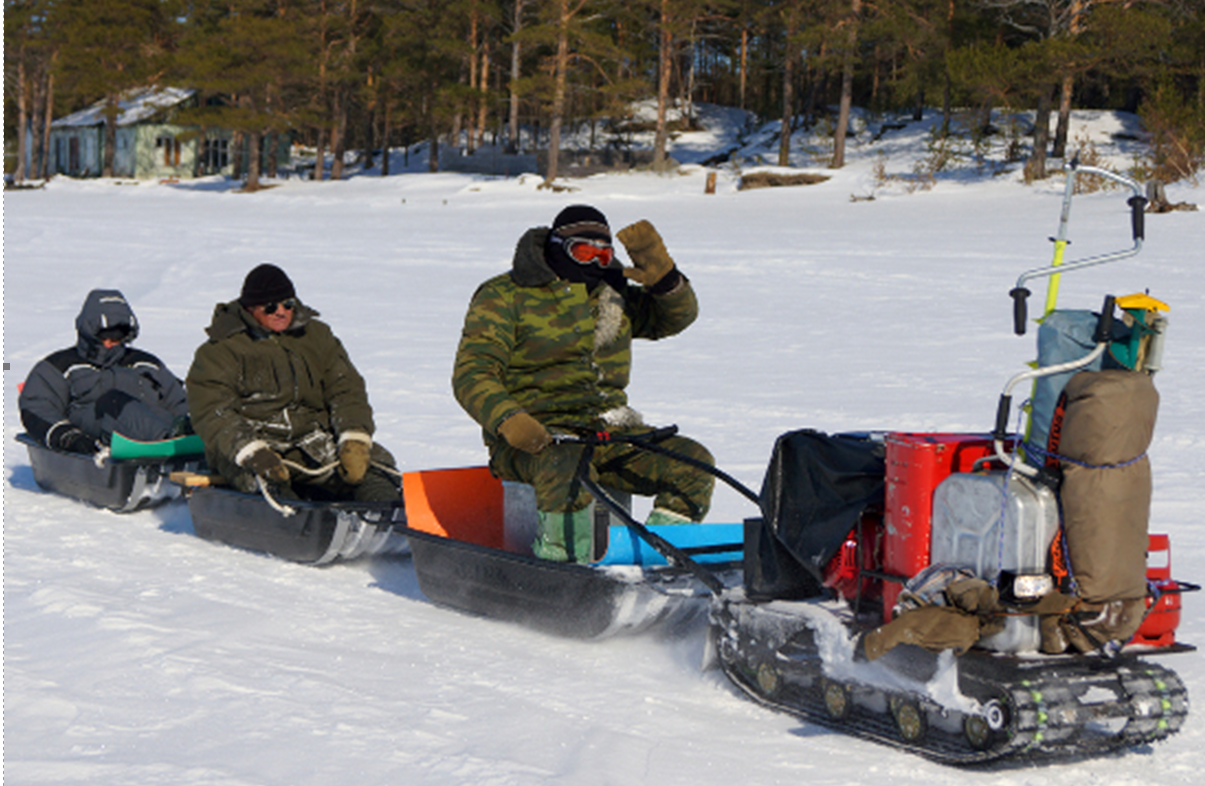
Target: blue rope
[1048, 454]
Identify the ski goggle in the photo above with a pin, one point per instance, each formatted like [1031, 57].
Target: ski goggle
[287, 305]
[585, 251]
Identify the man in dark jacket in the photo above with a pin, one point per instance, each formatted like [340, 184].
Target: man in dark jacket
[547, 348]
[274, 385]
[78, 397]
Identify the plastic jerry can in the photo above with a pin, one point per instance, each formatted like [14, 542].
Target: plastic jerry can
[977, 526]
[915, 465]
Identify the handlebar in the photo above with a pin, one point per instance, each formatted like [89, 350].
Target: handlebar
[1020, 293]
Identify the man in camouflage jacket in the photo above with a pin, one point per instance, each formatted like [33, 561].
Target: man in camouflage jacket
[274, 384]
[547, 348]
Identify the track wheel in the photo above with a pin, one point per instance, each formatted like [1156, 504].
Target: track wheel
[837, 701]
[909, 719]
[768, 681]
[979, 729]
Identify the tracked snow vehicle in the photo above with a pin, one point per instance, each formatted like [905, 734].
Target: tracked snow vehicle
[976, 597]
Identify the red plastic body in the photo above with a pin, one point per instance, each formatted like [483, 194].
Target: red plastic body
[1163, 615]
[916, 464]
[841, 573]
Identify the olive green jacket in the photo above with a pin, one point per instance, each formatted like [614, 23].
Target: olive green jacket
[536, 343]
[247, 383]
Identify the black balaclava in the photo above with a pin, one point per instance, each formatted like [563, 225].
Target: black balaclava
[581, 221]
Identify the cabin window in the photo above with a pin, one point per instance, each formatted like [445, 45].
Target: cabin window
[171, 150]
[216, 155]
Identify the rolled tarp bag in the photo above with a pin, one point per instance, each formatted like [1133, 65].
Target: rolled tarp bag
[1108, 423]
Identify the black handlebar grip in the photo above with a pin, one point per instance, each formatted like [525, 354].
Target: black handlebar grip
[1138, 216]
[1104, 327]
[1020, 317]
[1002, 410]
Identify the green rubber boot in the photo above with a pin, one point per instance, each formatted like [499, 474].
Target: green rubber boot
[559, 533]
[659, 516]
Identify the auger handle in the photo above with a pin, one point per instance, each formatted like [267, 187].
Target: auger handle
[1138, 216]
[1020, 310]
[1104, 326]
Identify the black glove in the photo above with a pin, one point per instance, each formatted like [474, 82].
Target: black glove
[74, 440]
[181, 427]
[267, 464]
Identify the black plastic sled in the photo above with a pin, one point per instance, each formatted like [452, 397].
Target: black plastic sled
[121, 485]
[470, 546]
[316, 533]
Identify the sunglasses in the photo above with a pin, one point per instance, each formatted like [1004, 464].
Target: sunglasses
[586, 250]
[287, 305]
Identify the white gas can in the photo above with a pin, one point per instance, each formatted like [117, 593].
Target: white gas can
[977, 525]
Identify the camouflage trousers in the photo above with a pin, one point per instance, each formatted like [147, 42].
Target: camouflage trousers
[675, 486]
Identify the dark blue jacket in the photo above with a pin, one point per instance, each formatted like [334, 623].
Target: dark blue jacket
[99, 390]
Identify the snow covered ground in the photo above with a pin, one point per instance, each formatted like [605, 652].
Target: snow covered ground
[136, 653]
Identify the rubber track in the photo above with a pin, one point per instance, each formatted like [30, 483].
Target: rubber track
[1055, 706]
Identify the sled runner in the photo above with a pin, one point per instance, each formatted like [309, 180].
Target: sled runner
[132, 481]
[470, 537]
[316, 533]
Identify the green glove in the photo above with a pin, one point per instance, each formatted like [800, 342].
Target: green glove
[524, 432]
[647, 252]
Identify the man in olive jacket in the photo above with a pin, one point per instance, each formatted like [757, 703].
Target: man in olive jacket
[274, 384]
[547, 348]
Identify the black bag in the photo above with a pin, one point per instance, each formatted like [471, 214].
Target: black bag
[816, 489]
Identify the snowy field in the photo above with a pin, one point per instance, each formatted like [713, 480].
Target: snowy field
[136, 653]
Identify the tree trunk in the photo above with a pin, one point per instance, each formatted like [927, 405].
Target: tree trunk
[788, 97]
[744, 63]
[319, 156]
[433, 157]
[385, 139]
[484, 105]
[1064, 124]
[664, 69]
[22, 119]
[471, 141]
[254, 138]
[1036, 168]
[847, 86]
[558, 93]
[512, 141]
[47, 118]
[339, 135]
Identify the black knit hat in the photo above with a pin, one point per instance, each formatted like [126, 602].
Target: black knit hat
[582, 221]
[266, 284]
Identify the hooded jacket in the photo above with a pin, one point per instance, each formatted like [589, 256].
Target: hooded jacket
[297, 388]
[534, 342]
[87, 386]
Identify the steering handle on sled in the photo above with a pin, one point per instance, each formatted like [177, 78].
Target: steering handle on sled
[1020, 293]
[1102, 336]
[648, 441]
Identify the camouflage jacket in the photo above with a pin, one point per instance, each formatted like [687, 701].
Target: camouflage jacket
[534, 342]
[247, 383]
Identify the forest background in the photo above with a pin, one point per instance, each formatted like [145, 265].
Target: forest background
[367, 75]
